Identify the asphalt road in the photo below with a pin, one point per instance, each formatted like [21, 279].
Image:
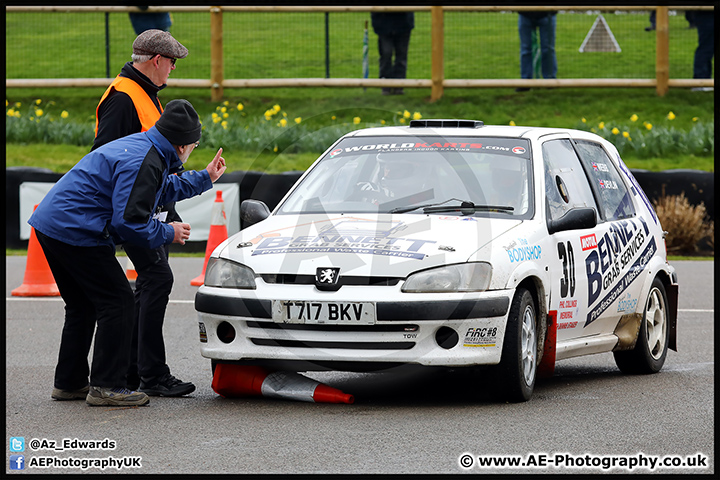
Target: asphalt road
[406, 421]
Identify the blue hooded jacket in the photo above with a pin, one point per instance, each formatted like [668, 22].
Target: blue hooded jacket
[112, 193]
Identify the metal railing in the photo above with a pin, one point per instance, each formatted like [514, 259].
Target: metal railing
[436, 81]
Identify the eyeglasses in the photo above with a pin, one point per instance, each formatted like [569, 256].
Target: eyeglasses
[172, 60]
[197, 144]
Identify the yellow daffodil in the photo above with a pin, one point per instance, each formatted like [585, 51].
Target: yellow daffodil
[224, 125]
[512, 123]
[285, 114]
[615, 131]
[402, 120]
[240, 106]
[406, 114]
[356, 120]
[695, 119]
[11, 113]
[626, 134]
[17, 114]
[283, 122]
[214, 115]
[223, 109]
[298, 119]
[276, 107]
[38, 112]
[633, 118]
[333, 118]
[671, 116]
[226, 103]
[225, 115]
[38, 101]
[417, 116]
[6, 102]
[601, 125]
[18, 104]
[64, 114]
[382, 122]
[583, 120]
[217, 120]
[648, 126]
[275, 149]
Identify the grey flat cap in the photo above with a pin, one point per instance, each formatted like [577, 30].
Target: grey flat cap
[158, 42]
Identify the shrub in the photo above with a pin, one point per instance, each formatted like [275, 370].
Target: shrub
[685, 223]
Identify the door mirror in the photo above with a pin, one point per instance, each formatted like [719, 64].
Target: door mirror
[252, 212]
[575, 219]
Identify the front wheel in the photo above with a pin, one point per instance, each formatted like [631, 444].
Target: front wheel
[650, 351]
[517, 370]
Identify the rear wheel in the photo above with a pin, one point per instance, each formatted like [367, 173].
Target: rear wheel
[650, 351]
[517, 370]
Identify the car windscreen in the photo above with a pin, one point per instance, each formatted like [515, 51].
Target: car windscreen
[435, 175]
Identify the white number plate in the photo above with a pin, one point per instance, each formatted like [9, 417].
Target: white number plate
[332, 313]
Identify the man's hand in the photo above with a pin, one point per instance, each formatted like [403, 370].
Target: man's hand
[217, 167]
[182, 232]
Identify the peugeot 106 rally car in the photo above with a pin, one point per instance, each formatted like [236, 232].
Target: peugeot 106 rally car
[447, 243]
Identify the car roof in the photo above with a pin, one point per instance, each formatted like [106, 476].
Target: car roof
[417, 128]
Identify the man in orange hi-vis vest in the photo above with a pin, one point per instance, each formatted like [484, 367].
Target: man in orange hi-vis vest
[131, 105]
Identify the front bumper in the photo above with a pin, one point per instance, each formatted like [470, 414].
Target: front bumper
[426, 329]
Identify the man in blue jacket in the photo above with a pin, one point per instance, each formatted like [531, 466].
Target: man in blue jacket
[111, 196]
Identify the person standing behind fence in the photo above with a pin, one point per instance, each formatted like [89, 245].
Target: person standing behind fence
[704, 21]
[109, 197]
[144, 20]
[131, 105]
[545, 22]
[393, 30]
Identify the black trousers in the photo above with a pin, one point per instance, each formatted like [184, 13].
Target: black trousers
[98, 299]
[152, 293]
[389, 44]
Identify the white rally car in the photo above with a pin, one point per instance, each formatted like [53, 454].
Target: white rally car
[447, 243]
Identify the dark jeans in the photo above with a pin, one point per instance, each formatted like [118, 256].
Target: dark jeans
[702, 66]
[96, 291]
[152, 293]
[399, 44]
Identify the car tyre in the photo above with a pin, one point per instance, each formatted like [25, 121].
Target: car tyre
[650, 351]
[517, 371]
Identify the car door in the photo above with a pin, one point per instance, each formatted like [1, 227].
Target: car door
[574, 282]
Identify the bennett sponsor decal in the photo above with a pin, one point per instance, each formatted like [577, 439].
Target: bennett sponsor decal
[588, 242]
[377, 244]
[615, 250]
[524, 252]
[480, 337]
[623, 283]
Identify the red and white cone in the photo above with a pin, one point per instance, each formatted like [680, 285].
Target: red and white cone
[218, 234]
[130, 272]
[243, 380]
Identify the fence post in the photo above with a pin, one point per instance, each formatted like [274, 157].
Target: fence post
[437, 74]
[662, 51]
[216, 53]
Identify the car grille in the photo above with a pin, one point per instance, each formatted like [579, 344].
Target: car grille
[271, 342]
[292, 279]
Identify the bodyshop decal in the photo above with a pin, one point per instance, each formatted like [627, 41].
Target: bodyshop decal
[523, 252]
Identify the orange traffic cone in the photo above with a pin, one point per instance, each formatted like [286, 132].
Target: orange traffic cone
[39, 280]
[218, 234]
[243, 380]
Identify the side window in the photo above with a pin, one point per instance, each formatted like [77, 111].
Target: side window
[566, 185]
[612, 193]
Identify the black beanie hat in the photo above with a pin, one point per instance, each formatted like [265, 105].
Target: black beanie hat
[179, 123]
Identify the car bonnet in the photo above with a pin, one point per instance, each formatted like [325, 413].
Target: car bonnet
[361, 245]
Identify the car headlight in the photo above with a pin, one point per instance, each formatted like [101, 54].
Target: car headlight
[463, 277]
[227, 274]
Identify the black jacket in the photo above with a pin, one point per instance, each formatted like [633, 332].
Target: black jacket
[392, 23]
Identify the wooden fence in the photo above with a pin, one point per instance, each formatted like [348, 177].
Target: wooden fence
[437, 81]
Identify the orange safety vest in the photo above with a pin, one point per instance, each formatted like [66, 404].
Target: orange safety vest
[147, 111]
